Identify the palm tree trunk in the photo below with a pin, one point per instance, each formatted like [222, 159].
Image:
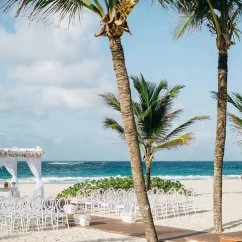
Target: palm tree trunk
[131, 136]
[147, 179]
[220, 140]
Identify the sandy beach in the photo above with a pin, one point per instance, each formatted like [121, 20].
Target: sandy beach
[202, 221]
[69, 235]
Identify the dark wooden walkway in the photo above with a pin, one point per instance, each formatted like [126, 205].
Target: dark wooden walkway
[164, 233]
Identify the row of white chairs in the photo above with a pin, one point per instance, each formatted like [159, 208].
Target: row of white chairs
[171, 203]
[24, 214]
[120, 201]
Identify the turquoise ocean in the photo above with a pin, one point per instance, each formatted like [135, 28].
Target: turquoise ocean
[79, 171]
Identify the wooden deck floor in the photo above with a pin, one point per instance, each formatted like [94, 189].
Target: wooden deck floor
[164, 233]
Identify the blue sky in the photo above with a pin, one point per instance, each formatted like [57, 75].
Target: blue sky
[51, 78]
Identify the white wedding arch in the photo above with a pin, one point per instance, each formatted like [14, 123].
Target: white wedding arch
[33, 156]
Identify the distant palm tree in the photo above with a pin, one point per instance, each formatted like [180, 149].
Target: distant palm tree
[236, 100]
[113, 19]
[221, 17]
[154, 119]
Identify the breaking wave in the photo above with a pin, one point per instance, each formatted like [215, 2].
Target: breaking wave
[72, 180]
[66, 163]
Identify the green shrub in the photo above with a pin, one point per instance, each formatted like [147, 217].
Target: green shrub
[116, 183]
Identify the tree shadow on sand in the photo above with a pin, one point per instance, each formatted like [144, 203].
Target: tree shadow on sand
[181, 215]
[228, 225]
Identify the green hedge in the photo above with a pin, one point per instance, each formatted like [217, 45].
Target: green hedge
[116, 183]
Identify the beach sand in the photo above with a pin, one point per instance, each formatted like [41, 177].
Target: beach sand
[69, 235]
[202, 221]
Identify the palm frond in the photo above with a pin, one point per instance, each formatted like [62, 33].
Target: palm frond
[165, 124]
[145, 89]
[175, 90]
[100, 8]
[182, 140]
[112, 101]
[137, 109]
[220, 17]
[46, 10]
[184, 126]
[145, 113]
[237, 33]
[174, 115]
[236, 100]
[110, 123]
[163, 85]
[215, 19]
[151, 125]
[236, 123]
[184, 24]
[152, 122]
[165, 3]
[214, 95]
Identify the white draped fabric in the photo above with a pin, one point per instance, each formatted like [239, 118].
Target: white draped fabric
[34, 164]
[2, 161]
[11, 165]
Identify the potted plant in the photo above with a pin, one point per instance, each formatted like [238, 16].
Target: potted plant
[128, 217]
[5, 184]
[82, 219]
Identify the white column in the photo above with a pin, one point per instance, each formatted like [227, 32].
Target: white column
[34, 164]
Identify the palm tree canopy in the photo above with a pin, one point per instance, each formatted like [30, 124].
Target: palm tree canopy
[154, 116]
[220, 16]
[236, 100]
[113, 13]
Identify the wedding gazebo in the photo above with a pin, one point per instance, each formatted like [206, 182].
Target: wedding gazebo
[8, 158]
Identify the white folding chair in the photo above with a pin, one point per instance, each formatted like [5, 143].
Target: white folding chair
[61, 213]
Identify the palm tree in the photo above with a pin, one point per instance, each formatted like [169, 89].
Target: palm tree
[113, 19]
[221, 17]
[154, 119]
[236, 101]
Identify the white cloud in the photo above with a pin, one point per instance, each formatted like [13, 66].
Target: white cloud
[49, 73]
[38, 42]
[49, 67]
[69, 98]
